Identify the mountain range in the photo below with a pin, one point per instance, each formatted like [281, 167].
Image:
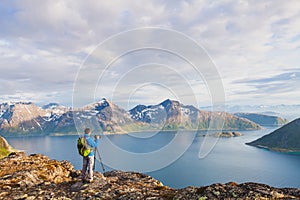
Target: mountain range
[171, 114]
[289, 112]
[28, 118]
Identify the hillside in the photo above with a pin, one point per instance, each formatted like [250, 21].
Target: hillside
[28, 118]
[20, 117]
[39, 177]
[104, 116]
[289, 112]
[5, 148]
[171, 114]
[286, 138]
[263, 119]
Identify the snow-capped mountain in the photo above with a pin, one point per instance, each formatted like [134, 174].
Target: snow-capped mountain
[100, 116]
[104, 116]
[54, 111]
[21, 117]
[172, 114]
[50, 106]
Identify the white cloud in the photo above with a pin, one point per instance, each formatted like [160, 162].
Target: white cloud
[44, 43]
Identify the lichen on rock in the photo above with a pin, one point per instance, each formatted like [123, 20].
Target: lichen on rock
[5, 148]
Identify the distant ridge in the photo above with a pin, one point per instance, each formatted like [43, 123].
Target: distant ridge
[284, 139]
[289, 112]
[263, 119]
[104, 116]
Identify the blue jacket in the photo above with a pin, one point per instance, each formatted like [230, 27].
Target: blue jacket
[92, 144]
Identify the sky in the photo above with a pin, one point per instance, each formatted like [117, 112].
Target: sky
[57, 51]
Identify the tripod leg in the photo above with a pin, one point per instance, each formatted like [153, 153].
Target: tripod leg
[99, 156]
[94, 166]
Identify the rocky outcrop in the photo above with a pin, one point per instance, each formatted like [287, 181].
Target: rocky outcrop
[38, 177]
[263, 119]
[227, 134]
[5, 148]
[284, 139]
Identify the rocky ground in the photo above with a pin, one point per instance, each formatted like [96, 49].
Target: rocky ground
[38, 177]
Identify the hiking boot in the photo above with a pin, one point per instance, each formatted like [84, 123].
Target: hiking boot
[87, 180]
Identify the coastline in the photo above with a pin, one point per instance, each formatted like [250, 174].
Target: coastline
[13, 134]
[279, 150]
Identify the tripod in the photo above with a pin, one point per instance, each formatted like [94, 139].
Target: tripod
[99, 156]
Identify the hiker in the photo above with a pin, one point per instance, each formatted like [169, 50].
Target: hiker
[88, 161]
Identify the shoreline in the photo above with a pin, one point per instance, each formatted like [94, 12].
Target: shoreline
[278, 150]
[116, 133]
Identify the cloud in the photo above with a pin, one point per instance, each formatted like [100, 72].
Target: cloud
[287, 81]
[43, 44]
[273, 87]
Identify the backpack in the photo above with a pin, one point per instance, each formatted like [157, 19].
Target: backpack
[83, 147]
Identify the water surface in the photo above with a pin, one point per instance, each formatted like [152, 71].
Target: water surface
[230, 159]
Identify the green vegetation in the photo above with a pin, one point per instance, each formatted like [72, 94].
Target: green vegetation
[135, 127]
[239, 124]
[170, 127]
[5, 148]
[203, 125]
[284, 139]
[263, 120]
[4, 152]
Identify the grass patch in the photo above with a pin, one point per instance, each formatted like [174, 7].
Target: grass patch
[4, 152]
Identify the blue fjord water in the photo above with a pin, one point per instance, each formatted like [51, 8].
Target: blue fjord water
[230, 159]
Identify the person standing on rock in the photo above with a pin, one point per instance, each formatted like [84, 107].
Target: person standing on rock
[88, 161]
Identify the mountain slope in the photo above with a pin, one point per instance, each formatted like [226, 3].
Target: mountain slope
[262, 119]
[171, 114]
[289, 112]
[100, 116]
[27, 118]
[286, 138]
[104, 116]
[21, 117]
